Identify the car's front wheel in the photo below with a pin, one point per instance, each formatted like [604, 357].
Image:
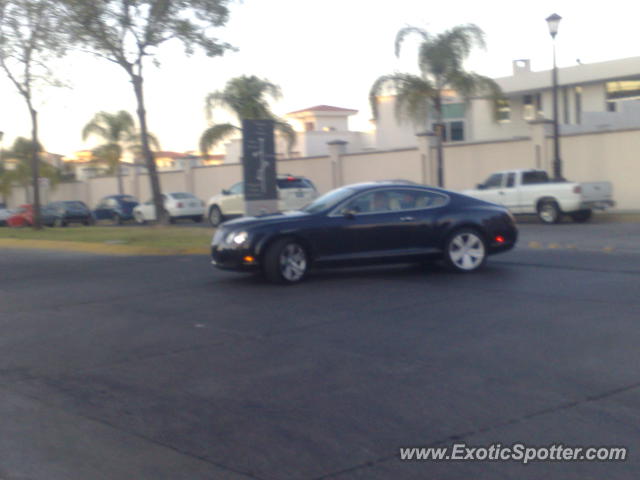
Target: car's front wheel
[465, 251]
[285, 261]
[215, 216]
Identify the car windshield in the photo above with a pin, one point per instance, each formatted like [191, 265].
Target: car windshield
[328, 200]
[75, 205]
[182, 196]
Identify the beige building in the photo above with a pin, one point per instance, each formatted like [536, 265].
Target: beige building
[592, 97]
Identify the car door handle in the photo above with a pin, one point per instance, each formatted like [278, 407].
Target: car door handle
[407, 219]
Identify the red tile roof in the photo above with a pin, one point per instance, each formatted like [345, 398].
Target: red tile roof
[323, 108]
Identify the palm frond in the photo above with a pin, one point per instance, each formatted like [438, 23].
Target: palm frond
[215, 134]
[414, 96]
[404, 32]
[287, 131]
[246, 96]
[382, 85]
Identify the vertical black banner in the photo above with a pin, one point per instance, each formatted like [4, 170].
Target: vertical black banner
[259, 160]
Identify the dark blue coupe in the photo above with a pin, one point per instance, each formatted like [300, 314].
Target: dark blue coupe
[378, 222]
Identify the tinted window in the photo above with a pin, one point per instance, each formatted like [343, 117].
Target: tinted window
[75, 205]
[374, 202]
[237, 189]
[531, 178]
[494, 181]
[294, 182]
[182, 196]
[328, 200]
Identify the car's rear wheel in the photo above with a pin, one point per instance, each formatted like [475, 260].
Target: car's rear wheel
[465, 251]
[581, 216]
[549, 212]
[215, 216]
[139, 217]
[285, 261]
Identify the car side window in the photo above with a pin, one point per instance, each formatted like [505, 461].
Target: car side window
[494, 181]
[511, 180]
[532, 178]
[372, 202]
[237, 189]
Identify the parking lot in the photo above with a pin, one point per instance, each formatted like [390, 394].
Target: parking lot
[162, 367]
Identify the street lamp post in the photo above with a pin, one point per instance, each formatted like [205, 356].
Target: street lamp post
[553, 21]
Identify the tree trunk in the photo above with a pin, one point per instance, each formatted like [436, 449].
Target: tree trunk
[35, 167]
[150, 163]
[439, 134]
[119, 178]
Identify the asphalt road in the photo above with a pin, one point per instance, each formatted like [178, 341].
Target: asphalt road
[162, 368]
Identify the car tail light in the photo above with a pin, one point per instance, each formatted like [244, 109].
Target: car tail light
[291, 179]
[499, 239]
[577, 189]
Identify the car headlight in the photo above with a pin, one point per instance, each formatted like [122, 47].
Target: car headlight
[236, 238]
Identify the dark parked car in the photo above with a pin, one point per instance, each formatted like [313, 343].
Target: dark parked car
[382, 222]
[117, 208]
[70, 212]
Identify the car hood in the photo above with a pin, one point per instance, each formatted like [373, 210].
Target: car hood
[281, 217]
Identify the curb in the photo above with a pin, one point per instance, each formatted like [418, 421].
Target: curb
[99, 248]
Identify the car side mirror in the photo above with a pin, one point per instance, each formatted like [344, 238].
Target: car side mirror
[349, 213]
[225, 192]
[480, 186]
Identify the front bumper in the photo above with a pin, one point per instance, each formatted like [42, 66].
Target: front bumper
[238, 259]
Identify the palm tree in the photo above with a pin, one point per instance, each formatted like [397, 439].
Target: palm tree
[119, 132]
[22, 174]
[246, 97]
[440, 59]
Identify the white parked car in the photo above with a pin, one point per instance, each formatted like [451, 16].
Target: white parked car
[178, 204]
[533, 192]
[5, 213]
[294, 192]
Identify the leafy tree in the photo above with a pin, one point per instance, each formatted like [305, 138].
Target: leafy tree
[118, 131]
[21, 153]
[30, 36]
[127, 32]
[440, 59]
[246, 97]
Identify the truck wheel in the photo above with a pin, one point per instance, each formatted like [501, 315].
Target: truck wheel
[581, 216]
[549, 212]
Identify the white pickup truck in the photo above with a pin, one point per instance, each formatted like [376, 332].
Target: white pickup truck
[532, 192]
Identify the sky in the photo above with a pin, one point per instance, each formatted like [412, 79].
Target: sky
[319, 52]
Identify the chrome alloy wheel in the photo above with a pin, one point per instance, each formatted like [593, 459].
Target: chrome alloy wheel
[466, 251]
[293, 262]
[548, 212]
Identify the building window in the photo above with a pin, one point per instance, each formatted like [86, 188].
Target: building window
[457, 131]
[532, 106]
[309, 126]
[565, 104]
[504, 111]
[578, 101]
[621, 91]
[450, 131]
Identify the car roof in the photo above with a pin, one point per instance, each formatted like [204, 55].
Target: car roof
[393, 183]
